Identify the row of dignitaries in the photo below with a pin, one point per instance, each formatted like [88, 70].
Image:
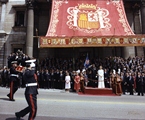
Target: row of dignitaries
[128, 81]
[133, 82]
[54, 79]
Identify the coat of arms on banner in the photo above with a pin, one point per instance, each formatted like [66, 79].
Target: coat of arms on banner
[88, 18]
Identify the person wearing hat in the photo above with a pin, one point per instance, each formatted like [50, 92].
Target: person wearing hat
[14, 81]
[30, 94]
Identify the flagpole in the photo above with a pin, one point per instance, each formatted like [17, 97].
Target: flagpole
[86, 64]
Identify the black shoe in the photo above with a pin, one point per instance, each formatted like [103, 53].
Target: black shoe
[8, 95]
[12, 99]
[17, 116]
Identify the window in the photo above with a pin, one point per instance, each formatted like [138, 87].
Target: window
[16, 49]
[19, 21]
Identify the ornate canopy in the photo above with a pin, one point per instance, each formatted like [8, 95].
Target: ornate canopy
[89, 23]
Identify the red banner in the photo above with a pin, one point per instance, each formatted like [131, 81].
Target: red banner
[70, 18]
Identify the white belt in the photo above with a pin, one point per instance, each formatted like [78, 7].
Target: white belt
[31, 84]
[101, 81]
[14, 75]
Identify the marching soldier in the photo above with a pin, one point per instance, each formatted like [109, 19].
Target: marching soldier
[14, 81]
[30, 94]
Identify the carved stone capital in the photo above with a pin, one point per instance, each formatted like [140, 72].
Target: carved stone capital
[143, 3]
[30, 3]
[136, 6]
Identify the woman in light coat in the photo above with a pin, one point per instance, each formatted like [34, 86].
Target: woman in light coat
[101, 78]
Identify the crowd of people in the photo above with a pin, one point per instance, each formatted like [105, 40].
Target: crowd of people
[71, 74]
[20, 58]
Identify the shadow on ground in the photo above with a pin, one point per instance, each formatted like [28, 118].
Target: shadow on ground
[12, 118]
[6, 99]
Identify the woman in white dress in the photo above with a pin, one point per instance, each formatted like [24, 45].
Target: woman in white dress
[67, 82]
[101, 78]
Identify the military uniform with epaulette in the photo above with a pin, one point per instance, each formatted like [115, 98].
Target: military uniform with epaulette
[14, 81]
[30, 95]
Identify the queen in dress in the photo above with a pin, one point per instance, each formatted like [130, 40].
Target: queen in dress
[101, 78]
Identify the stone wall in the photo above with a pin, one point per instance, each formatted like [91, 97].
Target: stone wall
[16, 36]
[12, 36]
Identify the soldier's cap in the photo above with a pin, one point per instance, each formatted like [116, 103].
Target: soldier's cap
[14, 62]
[5, 67]
[31, 62]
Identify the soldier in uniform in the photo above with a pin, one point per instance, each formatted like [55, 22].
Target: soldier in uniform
[30, 94]
[14, 81]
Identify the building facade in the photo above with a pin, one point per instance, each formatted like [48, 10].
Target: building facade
[23, 21]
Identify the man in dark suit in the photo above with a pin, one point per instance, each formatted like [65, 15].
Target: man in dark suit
[4, 76]
[52, 76]
[30, 94]
[140, 84]
[106, 78]
[42, 80]
[47, 79]
[57, 82]
[130, 83]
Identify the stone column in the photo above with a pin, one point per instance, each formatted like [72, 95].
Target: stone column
[3, 12]
[137, 21]
[3, 56]
[143, 16]
[128, 51]
[30, 27]
[138, 27]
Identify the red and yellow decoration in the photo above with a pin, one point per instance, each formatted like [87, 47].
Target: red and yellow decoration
[89, 23]
[98, 41]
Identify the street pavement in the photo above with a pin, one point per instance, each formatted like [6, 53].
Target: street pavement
[58, 105]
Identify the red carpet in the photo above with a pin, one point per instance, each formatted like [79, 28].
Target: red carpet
[98, 91]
